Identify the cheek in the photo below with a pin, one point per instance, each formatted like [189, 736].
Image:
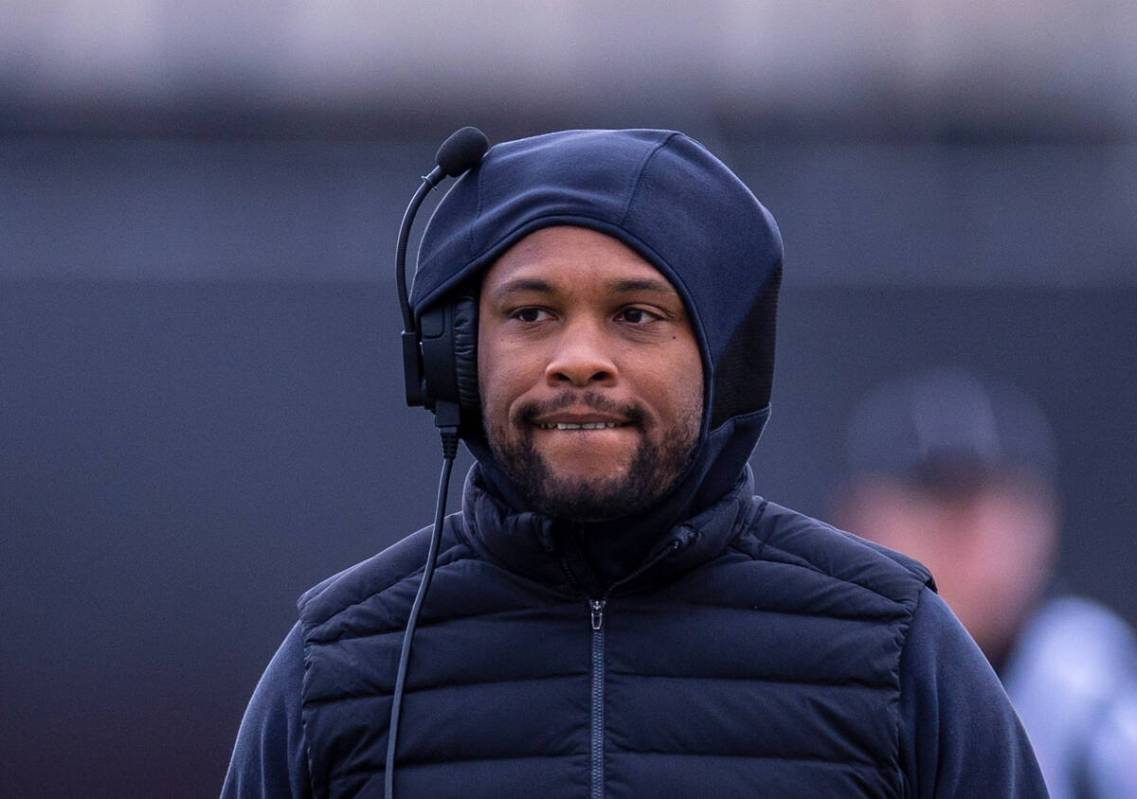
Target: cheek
[490, 387]
[681, 381]
[490, 371]
[501, 379]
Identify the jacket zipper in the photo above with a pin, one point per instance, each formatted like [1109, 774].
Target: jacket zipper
[596, 614]
[597, 741]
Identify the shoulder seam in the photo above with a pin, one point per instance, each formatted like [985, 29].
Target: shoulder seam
[813, 568]
[439, 564]
[765, 542]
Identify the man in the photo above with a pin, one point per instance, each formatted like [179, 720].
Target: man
[614, 614]
[961, 474]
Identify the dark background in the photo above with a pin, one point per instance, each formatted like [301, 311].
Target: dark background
[200, 394]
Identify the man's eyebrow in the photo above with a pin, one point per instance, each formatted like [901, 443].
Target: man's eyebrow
[644, 284]
[522, 284]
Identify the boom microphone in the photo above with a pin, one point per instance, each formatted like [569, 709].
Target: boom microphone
[462, 150]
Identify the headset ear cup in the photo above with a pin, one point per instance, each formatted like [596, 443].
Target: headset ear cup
[465, 336]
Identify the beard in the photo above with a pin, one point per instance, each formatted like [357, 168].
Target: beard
[656, 464]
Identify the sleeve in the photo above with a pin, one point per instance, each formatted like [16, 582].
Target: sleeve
[270, 758]
[1110, 767]
[959, 735]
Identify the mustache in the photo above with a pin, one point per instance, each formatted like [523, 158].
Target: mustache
[635, 415]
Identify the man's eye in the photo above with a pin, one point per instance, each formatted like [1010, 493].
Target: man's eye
[637, 316]
[528, 314]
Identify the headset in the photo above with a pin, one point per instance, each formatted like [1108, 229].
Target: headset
[439, 361]
[441, 371]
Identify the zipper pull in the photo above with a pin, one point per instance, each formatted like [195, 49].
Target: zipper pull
[597, 606]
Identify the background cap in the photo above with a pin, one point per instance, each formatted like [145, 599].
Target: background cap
[945, 421]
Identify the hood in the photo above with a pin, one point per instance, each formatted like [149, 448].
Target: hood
[665, 196]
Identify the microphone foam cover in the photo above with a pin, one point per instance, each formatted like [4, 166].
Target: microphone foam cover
[462, 150]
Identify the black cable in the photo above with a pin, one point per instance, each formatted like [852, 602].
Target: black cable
[461, 151]
[449, 450]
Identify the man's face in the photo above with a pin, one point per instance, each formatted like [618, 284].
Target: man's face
[590, 375]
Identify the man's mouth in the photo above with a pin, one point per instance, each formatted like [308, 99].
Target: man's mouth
[580, 419]
[588, 415]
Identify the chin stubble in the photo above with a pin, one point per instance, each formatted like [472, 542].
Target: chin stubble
[650, 475]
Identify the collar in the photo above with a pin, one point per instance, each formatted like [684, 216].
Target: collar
[560, 555]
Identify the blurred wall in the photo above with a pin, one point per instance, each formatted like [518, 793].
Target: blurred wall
[1023, 68]
[200, 395]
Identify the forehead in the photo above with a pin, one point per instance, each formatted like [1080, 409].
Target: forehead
[570, 255]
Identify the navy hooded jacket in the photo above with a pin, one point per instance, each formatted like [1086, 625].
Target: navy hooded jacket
[718, 645]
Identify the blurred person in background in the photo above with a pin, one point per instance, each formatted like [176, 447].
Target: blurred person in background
[960, 475]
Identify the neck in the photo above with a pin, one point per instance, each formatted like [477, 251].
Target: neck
[609, 549]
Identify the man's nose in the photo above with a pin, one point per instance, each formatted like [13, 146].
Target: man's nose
[582, 358]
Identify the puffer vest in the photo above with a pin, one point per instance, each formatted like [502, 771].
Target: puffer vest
[756, 652]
